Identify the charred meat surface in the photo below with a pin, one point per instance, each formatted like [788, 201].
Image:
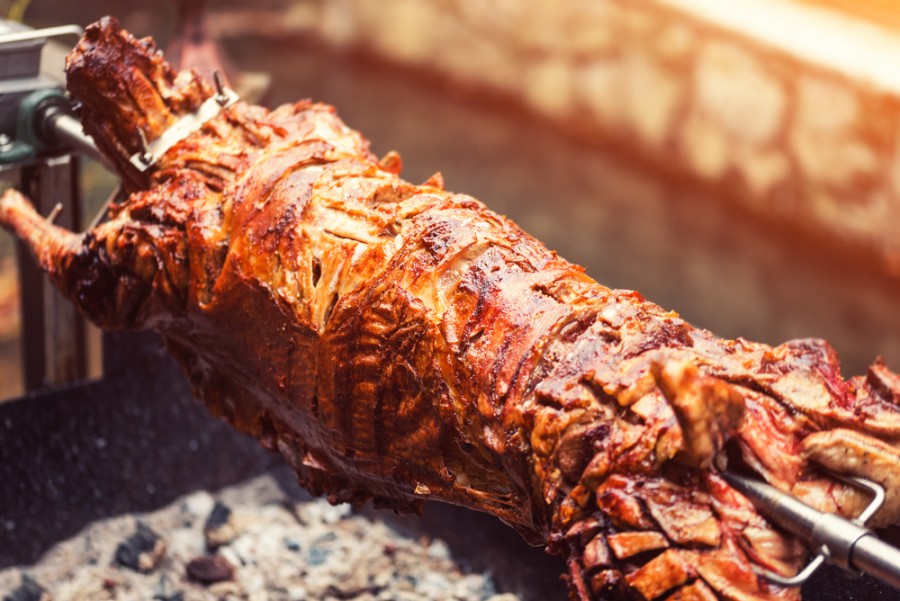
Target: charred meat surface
[400, 342]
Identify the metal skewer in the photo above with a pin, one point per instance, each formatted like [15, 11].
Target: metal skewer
[37, 34]
[848, 544]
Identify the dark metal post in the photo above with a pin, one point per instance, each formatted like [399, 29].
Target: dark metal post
[53, 344]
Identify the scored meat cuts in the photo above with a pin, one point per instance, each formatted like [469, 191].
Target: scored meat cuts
[400, 342]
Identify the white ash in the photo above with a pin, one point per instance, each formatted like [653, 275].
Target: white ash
[281, 550]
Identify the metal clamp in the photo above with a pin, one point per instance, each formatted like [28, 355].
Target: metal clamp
[835, 547]
[150, 153]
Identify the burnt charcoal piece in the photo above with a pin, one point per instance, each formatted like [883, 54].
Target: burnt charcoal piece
[29, 590]
[142, 551]
[208, 570]
[219, 515]
[292, 545]
[219, 528]
[165, 592]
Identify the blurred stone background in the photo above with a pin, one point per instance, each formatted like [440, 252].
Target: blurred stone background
[789, 109]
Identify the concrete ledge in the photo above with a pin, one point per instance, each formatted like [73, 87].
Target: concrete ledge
[856, 49]
[789, 109]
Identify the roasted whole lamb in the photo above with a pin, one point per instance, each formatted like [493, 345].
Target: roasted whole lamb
[400, 342]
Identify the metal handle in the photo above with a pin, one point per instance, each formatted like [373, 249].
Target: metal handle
[843, 542]
[873, 556]
[68, 131]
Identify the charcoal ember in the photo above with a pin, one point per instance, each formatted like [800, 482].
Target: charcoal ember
[208, 570]
[166, 592]
[318, 555]
[228, 590]
[29, 590]
[356, 557]
[291, 544]
[336, 591]
[142, 551]
[220, 528]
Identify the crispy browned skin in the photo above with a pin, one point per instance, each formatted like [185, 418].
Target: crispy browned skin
[402, 342]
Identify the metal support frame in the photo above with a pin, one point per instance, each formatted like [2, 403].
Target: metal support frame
[53, 339]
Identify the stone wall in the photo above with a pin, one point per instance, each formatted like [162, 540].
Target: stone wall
[784, 107]
[780, 129]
